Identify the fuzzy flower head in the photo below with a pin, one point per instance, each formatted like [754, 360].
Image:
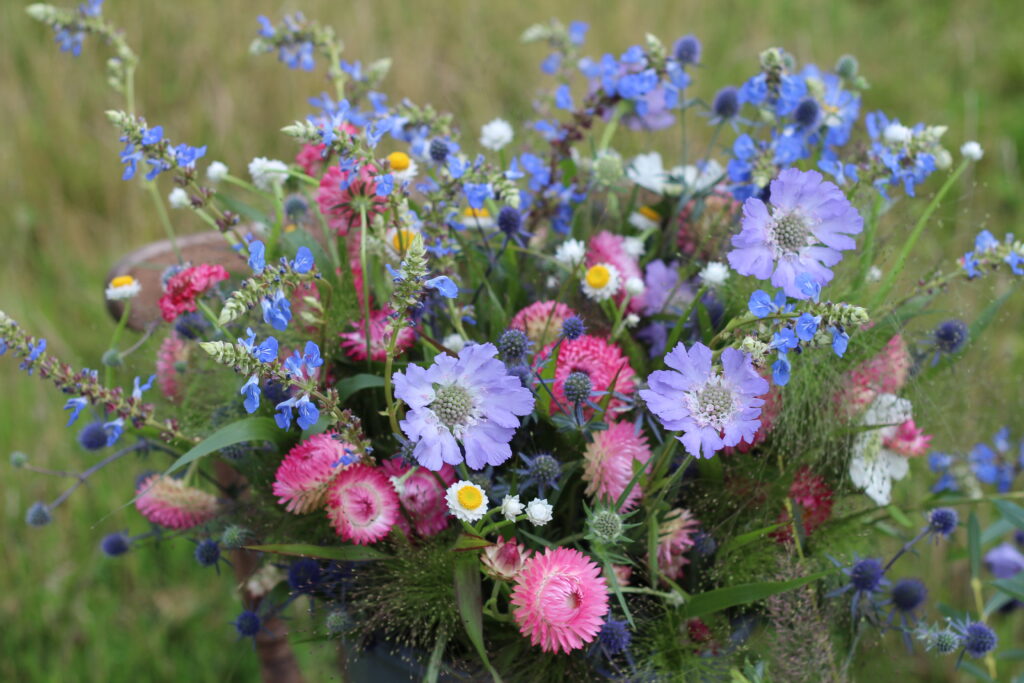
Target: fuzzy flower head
[170, 503]
[354, 342]
[305, 474]
[467, 501]
[676, 535]
[608, 463]
[542, 321]
[184, 287]
[496, 134]
[713, 409]
[170, 358]
[505, 559]
[268, 173]
[421, 494]
[362, 504]
[344, 195]
[560, 600]
[470, 400]
[123, 287]
[602, 361]
[804, 229]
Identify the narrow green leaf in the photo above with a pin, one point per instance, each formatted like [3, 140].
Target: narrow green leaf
[723, 598]
[345, 553]
[652, 548]
[974, 544]
[738, 542]
[899, 516]
[1014, 654]
[974, 670]
[547, 375]
[356, 383]
[470, 604]
[1011, 512]
[1014, 587]
[246, 429]
[995, 531]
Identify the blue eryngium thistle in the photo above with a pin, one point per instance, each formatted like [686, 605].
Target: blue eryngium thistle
[907, 596]
[614, 637]
[573, 328]
[976, 637]
[687, 50]
[951, 335]
[867, 577]
[18, 459]
[542, 471]
[304, 575]
[806, 113]
[577, 387]
[438, 150]
[234, 536]
[726, 104]
[115, 544]
[38, 514]
[513, 345]
[943, 521]
[509, 220]
[207, 552]
[93, 436]
[247, 624]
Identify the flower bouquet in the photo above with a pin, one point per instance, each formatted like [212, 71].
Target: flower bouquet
[516, 407]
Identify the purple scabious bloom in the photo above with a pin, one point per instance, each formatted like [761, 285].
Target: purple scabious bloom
[808, 223]
[470, 400]
[713, 409]
[1004, 561]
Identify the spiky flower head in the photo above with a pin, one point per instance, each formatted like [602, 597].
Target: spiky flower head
[542, 471]
[608, 463]
[248, 624]
[513, 345]
[577, 387]
[93, 436]
[337, 622]
[573, 328]
[362, 504]
[207, 552]
[605, 525]
[234, 536]
[602, 361]
[115, 544]
[614, 637]
[171, 503]
[307, 470]
[977, 638]
[38, 514]
[542, 321]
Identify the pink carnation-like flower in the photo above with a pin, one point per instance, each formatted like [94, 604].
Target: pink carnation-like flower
[340, 202]
[170, 503]
[608, 463]
[813, 495]
[542, 321]
[422, 495]
[306, 472]
[885, 373]
[505, 559]
[560, 600]
[908, 440]
[607, 247]
[362, 504]
[173, 350]
[183, 288]
[354, 342]
[674, 538]
[600, 359]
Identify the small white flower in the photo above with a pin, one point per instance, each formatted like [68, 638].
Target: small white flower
[454, 342]
[633, 246]
[874, 467]
[216, 171]
[496, 134]
[268, 173]
[178, 199]
[647, 171]
[874, 274]
[897, 134]
[601, 282]
[632, 320]
[538, 511]
[511, 507]
[571, 253]
[645, 218]
[696, 179]
[943, 159]
[466, 500]
[972, 150]
[714, 274]
[123, 287]
[635, 286]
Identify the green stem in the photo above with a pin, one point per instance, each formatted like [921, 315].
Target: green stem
[388, 362]
[275, 230]
[366, 279]
[678, 329]
[108, 370]
[212, 317]
[609, 130]
[165, 219]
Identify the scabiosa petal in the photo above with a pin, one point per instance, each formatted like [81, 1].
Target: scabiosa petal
[560, 600]
[307, 470]
[362, 504]
[170, 503]
[608, 463]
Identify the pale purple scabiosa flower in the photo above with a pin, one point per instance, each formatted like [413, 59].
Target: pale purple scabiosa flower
[470, 400]
[803, 229]
[713, 409]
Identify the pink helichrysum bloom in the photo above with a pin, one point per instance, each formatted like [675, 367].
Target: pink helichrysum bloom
[170, 503]
[623, 573]
[306, 472]
[505, 559]
[608, 463]
[813, 496]
[173, 350]
[184, 287]
[608, 248]
[804, 229]
[542, 321]
[362, 504]
[908, 439]
[354, 342]
[769, 413]
[422, 495]
[675, 537]
[342, 197]
[713, 409]
[600, 359]
[885, 373]
[471, 400]
[560, 600]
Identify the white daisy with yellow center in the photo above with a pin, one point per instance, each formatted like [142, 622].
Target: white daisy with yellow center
[601, 282]
[399, 239]
[477, 218]
[645, 218]
[403, 167]
[123, 287]
[466, 501]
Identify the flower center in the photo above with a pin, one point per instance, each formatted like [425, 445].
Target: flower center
[648, 212]
[402, 239]
[399, 161]
[470, 498]
[790, 233]
[712, 405]
[453, 406]
[122, 281]
[470, 212]
[598, 276]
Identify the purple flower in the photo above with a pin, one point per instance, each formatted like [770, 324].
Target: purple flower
[808, 223]
[713, 409]
[470, 400]
[1004, 561]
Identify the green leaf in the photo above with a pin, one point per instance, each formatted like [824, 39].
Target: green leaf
[1014, 654]
[241, 208]
[469, 602]
[995, 531]
[1013, 587]
[1011, 512]
[974, 670]
[356, 383]
[974, 544]
[471, 542]
[899, 516]
[246, 429]
[723, 598]
[345, 553]
[738, 542]
[547, 375]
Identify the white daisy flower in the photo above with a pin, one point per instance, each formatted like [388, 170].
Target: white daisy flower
[645, 218]
[397, 240]
[403, 167]
[466, 500]
[972, 150]
[635, 286]
[496, 134]
[647, 171]
[538, 511]
[570, 253]
[268, 173]
[601, 282]
[216, 171]
[714, 274]
[123, 287]
[695, 179]
[874, 467]
[178, 199]
[511, 507]
[476, 218]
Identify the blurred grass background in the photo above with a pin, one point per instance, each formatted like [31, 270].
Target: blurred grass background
[71, 614]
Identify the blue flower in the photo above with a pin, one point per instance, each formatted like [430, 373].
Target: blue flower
[311, 356]
[377, 130]
[807, 326]
[303, 262]
[266, 28]
[247, 624]
[808, 286]
[257, 256]
[444, 285]
[762, 305]
[456, 166]
[131, 158]
[976, 637]
[152, 136]
[385, 184]
[784, 340]
[971, 264]
[278, 312]
[251, 391]
[840, 340]
[114, 429]
[138, 389]
[308, 412]
[563, 98]
[75, 405]
[185, 156]
[283, 416]
[1013, 259]
[477, 194]
[578, 32]
[267, 351]
[985, 241]
[781, 370]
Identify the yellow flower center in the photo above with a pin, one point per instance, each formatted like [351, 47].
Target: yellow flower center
[399, 161]
[470, 212]
[470, 497]
[122, 281]
[598, 276]
[291, 227]
[402, 239]
[648, 212]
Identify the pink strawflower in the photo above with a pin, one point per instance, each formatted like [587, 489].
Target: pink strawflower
[170, 503]
[354, 342]
[600, 359]
[341, 207]
[675, 537]
[422, 495]
[623, 573]
[607, 247]
[362, 504]
[307, 470]
[505, 559]
[560, 600]
[885, 373]
[608, 463]
[183, 288]
[908, 440]
[173, 350]
[542, 321]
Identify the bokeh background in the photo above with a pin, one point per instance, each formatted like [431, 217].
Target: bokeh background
[69, 613]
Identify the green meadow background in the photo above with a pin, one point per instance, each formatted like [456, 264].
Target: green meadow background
[69, 613]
